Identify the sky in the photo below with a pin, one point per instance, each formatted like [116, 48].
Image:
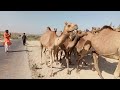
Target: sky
[35, 22]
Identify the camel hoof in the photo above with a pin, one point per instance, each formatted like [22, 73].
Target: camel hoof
[85, 64]
[77, 71]
[57, 63]
[41, 76]
[116, 75]
[52, 75]
[68, 72]
[41, 63]
[100, 76]
[93, 69]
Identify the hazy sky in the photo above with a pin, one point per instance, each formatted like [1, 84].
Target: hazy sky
[37, 21]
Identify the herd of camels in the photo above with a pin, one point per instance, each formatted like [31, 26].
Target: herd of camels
[103, 41]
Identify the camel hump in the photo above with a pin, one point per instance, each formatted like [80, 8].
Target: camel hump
[106, 27]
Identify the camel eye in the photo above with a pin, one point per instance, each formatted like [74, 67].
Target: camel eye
[69, 25]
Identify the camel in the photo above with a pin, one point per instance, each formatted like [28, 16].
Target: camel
[69, 45]
[57, 33]
[42, 38]
[52, 42]
[110, 49]
[82, 48]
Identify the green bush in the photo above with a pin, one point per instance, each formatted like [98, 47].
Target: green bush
[33, 37]
[1, 35]
[14, 36]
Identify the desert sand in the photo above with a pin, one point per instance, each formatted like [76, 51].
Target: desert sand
[107, 66]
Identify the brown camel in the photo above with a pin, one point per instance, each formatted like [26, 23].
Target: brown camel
[69, 45]
[82, 48]
[52, 42]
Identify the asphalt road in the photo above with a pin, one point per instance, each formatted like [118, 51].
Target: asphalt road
[14, 64]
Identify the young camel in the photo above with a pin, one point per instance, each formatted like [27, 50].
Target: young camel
[52, 42]
[68, 47]
[83, 46]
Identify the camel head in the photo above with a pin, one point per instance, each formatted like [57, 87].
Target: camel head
[95, 30]
[55, 29]
[73, 34]
[87, 30]
[69, 27]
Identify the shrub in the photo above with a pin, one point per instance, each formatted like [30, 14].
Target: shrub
[33, 37]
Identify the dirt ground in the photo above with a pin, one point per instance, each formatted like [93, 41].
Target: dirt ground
[107, 66]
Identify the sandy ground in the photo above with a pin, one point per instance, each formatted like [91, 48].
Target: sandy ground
[107, 66]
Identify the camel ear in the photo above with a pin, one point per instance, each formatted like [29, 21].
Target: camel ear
[66, 23]
[49, 28]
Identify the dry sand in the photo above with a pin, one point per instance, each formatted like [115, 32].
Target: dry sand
[107, 66]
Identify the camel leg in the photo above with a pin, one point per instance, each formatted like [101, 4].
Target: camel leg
[95, 58]
[61, 58]
[70, 62]
[44, 51]
[78, 62]
[83, 53]
[117, 70]
[84, 62]
[41, 54]
[67, 62]
[51, 65]
[55, 55]
[61, 52]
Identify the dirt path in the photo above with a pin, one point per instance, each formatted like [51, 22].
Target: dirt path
[107, 66]
[14, 64]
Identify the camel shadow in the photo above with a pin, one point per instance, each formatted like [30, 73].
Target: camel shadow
[107, 66]
[64, 65]
[1, 46]
[32, 46]
[19, 51]
[104, 65]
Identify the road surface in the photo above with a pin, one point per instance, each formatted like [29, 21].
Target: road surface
[14, 64]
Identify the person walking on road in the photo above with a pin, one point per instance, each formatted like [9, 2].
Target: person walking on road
[7, 41]
[24, 38]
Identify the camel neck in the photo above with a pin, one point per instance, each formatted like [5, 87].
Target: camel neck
[60, 40]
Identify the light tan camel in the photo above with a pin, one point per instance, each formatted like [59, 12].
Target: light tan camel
[57, 33]
[45, 41]
[110, 49]
[52, 42]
